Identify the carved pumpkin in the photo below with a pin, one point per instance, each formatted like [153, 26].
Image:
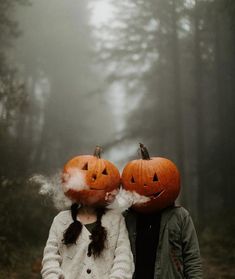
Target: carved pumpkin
[86, 178]
[156, 178]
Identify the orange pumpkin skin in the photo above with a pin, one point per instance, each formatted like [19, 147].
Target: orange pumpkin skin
[157, 178]
[99, 175]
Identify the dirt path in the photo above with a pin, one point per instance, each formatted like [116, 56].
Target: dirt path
[214, 268]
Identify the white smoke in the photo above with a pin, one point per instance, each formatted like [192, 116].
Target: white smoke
[125, 199]
[52, 187]
[55, 188]
[74, 179]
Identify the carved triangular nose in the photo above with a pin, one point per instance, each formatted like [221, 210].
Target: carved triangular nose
[155, 178]
[94, 177]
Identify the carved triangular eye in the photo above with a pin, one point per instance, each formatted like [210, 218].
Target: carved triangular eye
[85, 167]
[155, 178]
[132, 180]
[104, 172]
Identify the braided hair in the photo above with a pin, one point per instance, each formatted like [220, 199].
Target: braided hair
[98, 233]
[73, 231]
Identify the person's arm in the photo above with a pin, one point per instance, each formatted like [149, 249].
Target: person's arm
[123, 265]
[191, 253]
[51, 258]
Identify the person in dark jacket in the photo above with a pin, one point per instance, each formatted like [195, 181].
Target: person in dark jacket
[164, 244]
[163, 237]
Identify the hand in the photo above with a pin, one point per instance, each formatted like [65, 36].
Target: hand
[110, 196]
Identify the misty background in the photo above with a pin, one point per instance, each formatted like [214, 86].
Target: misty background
[74, 74]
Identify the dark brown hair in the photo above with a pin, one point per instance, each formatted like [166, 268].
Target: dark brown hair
[98, 234]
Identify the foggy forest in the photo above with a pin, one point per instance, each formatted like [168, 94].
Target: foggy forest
[76, 74]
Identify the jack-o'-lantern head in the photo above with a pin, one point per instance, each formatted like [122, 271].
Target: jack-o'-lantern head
[156, 178]
[86, 179]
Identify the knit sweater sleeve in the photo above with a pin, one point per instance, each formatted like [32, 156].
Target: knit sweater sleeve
[51, 257]
[123, 265]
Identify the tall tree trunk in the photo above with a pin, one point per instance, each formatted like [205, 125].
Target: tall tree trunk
[177, 95]
[223, 62]
[201, 188]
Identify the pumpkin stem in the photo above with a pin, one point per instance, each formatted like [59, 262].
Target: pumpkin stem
[144, 152]
[97, 151]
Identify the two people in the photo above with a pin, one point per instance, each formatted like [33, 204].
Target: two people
[91, 241]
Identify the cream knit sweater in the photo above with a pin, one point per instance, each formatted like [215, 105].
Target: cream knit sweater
[71, 262]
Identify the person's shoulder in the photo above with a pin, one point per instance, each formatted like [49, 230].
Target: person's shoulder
[113, 216]
[176, 212]
[175, 216]
[181, 211]
[113, 213]
[63, 216]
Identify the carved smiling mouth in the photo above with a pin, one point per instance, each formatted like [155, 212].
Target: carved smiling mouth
[155, 195]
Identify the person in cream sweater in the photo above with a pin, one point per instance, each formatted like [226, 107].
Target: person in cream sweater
[87, 242]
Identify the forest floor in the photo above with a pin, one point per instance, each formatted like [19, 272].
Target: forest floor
[215, 268]
[218, 252]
